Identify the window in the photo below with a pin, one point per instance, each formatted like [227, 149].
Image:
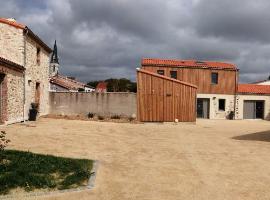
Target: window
[221, 104]
[173, 74]
[38, 56]
[160, 72]
[214, 78]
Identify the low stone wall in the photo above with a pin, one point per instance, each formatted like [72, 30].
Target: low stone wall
[67, 103]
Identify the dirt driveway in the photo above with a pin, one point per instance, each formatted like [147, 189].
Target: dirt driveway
[209, 160]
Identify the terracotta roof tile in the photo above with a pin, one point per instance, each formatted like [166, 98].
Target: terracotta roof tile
[66, 82]
[101, 86]
[12, 23]
[253, 89]
[187, 63]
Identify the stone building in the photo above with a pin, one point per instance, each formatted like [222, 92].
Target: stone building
[24, 65]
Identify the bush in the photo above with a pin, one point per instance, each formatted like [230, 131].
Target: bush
[3, 144]
[115, 117]
[91, 115]
[100, 117]
[3, 141]
[130, 119]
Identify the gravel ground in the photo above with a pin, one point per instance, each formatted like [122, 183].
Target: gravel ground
[214, 159]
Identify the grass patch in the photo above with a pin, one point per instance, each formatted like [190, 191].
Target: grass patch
[35, 171]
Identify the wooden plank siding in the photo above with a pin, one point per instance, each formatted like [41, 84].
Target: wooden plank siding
[227, 79]
[160, 98]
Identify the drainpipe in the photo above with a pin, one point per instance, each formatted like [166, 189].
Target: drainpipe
[235, 92]
[24, 76]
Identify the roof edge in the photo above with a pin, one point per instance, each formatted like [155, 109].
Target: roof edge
[11, 64]
[28, 31]
[232, 67]
[165, 77]
[11, 23]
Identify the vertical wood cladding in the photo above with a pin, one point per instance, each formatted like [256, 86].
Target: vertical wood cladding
[163, 99]
[227, 79]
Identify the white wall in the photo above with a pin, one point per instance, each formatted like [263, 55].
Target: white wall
[240, 105]
[264, 83]
[214, 112]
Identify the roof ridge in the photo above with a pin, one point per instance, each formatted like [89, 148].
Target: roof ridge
[188, 63]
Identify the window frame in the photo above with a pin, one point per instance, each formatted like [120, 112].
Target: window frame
[38, 55]
[224, 105]
[212, 80]
[159, 70]
[171, 72]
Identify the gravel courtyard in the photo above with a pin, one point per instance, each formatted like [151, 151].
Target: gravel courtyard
[214, 159]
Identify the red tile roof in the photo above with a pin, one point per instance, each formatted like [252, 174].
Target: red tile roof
[101, 86]
[253, 89]
[66, 82]
[12, 23]
[27, 31]
[11, 64]
[188, 63]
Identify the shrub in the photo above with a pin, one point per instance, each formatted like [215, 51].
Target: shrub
[115, 117]
[100, 117]
[3, 144]
[3, 141]
[130, 119]
[91, 115]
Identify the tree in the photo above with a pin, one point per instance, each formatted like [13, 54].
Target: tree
[117, 85]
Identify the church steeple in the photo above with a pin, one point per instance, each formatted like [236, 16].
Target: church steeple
[54, 63]
[54, 58]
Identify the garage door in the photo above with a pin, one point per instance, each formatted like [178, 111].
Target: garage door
[253, 109]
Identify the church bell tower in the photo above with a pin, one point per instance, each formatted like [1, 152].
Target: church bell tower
[54, 63]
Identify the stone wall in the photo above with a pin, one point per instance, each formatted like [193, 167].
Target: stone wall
[67, 103]
[11, 43]
[15, 100]
[36, 73]
[16, 47]
[12, 96]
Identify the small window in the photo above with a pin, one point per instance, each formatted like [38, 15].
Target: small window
[221, 104]
[38, 56]
[173, 74]
[214, 78]
[160, 72]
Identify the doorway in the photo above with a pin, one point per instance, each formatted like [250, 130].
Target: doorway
[37, 94]
[253, 109]
[203, 108]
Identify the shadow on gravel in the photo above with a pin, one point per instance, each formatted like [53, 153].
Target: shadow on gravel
[259, 136]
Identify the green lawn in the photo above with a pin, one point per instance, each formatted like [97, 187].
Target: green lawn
[31, 171]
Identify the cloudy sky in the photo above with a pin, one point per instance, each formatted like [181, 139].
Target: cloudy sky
[100, 39]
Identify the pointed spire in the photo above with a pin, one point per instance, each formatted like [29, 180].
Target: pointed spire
[54, 58]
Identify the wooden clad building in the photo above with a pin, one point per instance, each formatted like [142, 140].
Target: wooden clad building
[161, 98]
[209, 77]
[216, 82]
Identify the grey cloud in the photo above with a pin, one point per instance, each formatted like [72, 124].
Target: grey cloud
[100, 39]
[246, 21]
